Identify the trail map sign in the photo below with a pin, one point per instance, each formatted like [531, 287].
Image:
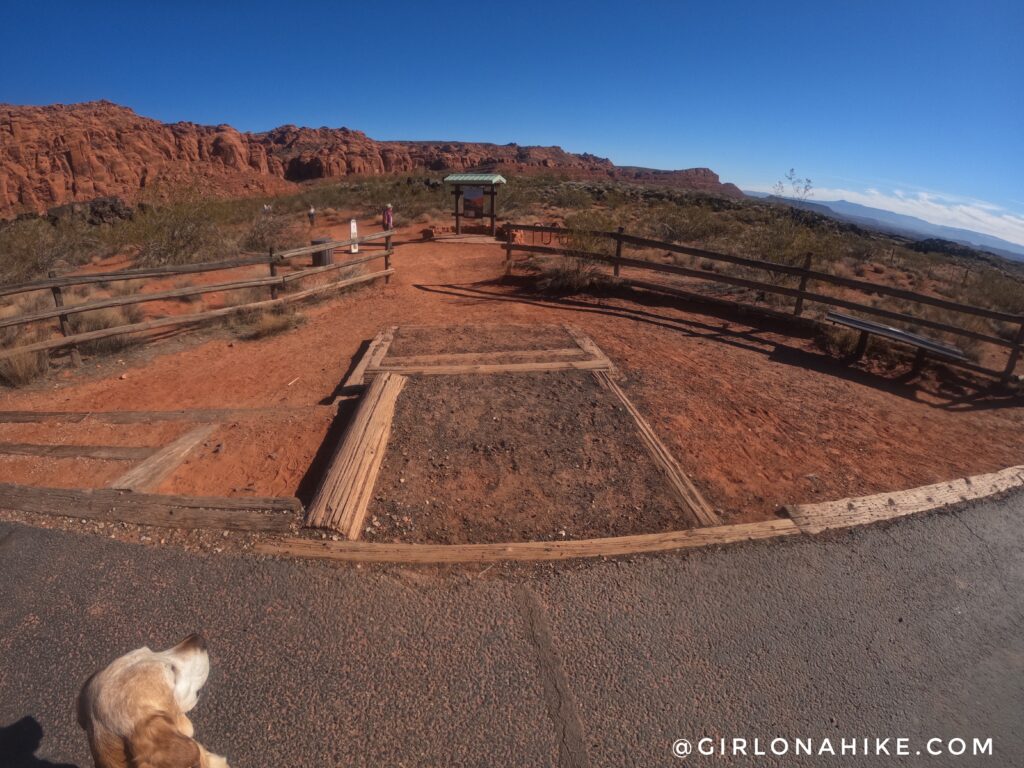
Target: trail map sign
[470, 191]
[473, 202]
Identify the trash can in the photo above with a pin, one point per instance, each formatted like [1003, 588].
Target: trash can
[324, 257]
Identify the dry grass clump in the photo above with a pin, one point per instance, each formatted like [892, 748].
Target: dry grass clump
[22, 368]
[258, 323]
[101, 319]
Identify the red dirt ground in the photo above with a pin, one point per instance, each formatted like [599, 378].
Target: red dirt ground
[757, 419]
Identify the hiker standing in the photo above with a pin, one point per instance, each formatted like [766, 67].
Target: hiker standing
[312, 215]
[388, 218]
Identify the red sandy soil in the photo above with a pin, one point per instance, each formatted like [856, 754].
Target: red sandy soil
[756, 418]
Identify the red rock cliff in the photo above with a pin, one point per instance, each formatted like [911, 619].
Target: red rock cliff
[64, 153]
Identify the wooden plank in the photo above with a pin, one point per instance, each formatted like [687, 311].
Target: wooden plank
[130, 274]
[555, 365]
[237, 513]
[341, 501]
[161, 464]
[528, 551]
[587, 344]
[507, 356]
[108, 452]
[355, 379]
[844, 513]
[147, 417]
[896, 334]
[691, 499]
[382, 349]
[168, 322]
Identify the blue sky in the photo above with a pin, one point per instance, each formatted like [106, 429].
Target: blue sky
[912, 106]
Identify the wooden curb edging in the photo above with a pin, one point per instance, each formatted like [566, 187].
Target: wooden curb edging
[807, 519]
[250, 514]
[525, 551]
[847, 513]
[241, 513]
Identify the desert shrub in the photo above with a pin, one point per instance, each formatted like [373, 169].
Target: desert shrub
[567, 276]
[30, 248]
[178, 234]
[840, 342]
[571, 196]
[582, 224]
[265, 232]
[689, 224]
[996, 290]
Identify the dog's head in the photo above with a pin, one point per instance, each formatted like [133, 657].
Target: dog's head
[190, 666]
[134, 710]
[142, 683]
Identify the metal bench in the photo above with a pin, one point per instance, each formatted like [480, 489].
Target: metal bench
[924, 345]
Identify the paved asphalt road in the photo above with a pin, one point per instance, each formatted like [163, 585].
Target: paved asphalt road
[912, 629]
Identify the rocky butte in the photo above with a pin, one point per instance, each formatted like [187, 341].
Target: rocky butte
[59, 154]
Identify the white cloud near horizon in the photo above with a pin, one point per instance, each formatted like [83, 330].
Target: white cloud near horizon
[935, 208]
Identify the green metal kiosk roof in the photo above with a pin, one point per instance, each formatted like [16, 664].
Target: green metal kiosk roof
[474, 178]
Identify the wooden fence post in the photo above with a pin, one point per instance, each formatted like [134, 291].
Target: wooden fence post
[509, 239]
[799, 308]
[1014, 355]
[387, 258]
[273, 273]
[58, 300]
[618, 250]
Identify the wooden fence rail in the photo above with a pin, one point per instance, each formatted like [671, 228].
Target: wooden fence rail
[801, 294]
[274, 281]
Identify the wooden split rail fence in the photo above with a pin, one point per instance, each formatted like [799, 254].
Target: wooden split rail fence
[561, 240]
[275, 282]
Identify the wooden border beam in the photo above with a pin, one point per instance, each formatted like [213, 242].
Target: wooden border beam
[845, 513]
[268, 515]
[526, 551]
[344, 494]
[108, 452]
[147, 417]
[690, 499]
[554, 365]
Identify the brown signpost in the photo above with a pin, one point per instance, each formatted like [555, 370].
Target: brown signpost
[487, 184]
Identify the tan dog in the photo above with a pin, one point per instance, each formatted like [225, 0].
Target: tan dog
[134, 710]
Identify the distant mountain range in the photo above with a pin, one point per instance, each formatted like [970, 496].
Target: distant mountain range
[900, 224]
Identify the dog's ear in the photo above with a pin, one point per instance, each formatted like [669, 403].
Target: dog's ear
[157, 743]
[194, 642]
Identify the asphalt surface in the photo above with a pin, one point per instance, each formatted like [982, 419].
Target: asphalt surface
[912, 630]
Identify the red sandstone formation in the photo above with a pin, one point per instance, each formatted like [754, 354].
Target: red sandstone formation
[66, 153]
